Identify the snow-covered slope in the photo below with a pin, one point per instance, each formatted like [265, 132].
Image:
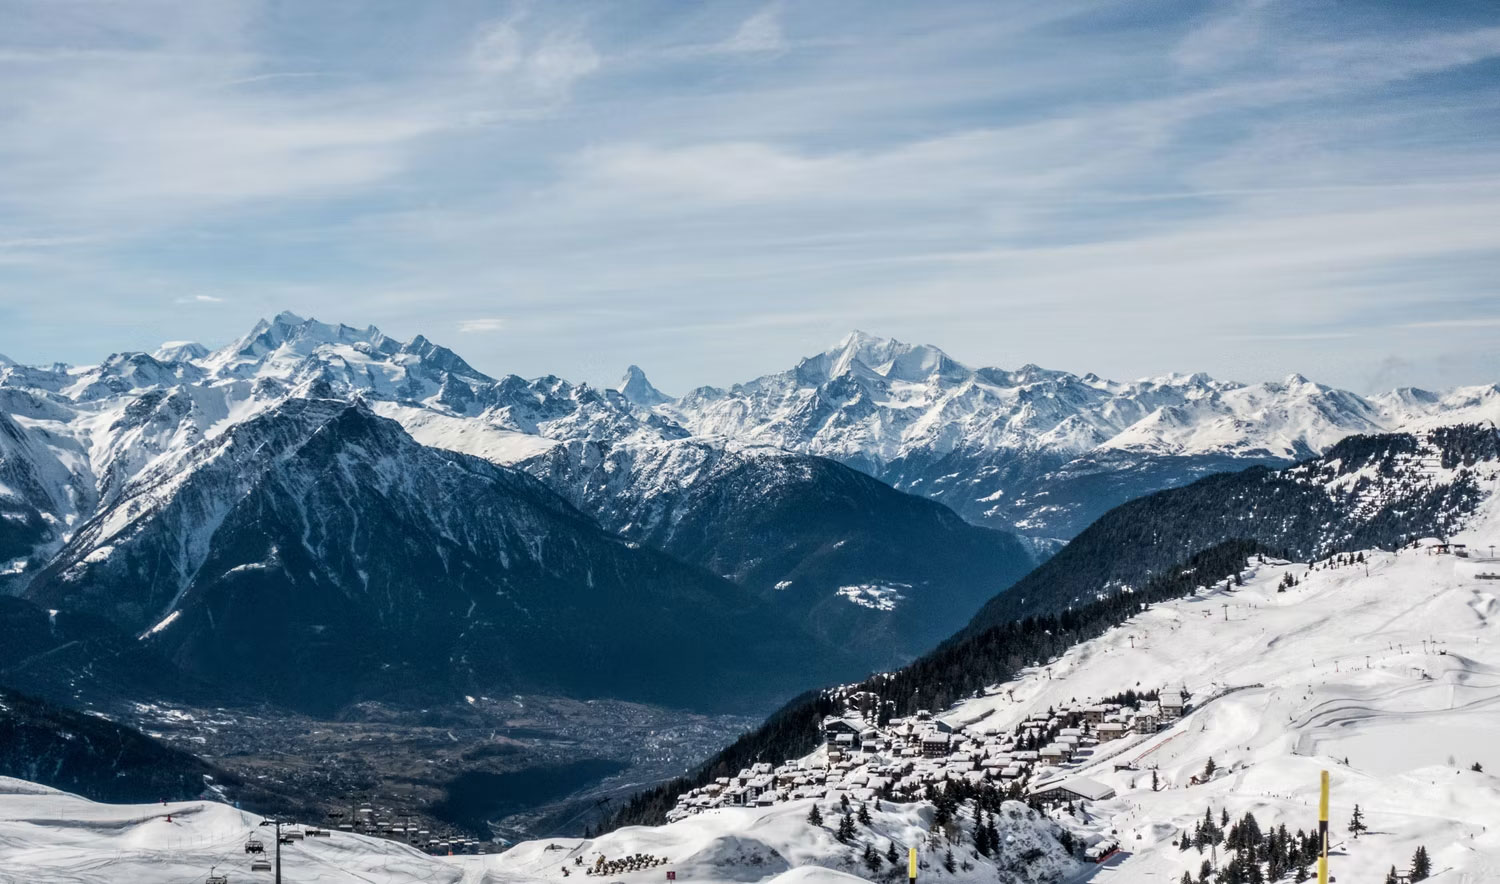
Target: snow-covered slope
[1389, 679]
[1366, 491]
[50, 836]
[1382, 667]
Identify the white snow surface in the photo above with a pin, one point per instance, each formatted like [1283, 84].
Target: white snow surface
[51, 836]
[1390, 681]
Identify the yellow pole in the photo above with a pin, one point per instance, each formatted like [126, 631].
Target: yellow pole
[1323, 830]
[911, 863]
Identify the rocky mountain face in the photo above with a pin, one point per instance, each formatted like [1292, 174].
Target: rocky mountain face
[882, 573]
[319, 553]
[1365, 492]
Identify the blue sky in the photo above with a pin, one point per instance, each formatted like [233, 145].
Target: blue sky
[713, 190]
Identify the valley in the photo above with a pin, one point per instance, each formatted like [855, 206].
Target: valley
[555, 764]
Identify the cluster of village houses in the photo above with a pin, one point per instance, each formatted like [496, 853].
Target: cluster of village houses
[863, 761]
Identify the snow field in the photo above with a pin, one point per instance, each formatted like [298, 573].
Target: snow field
[1397, 671]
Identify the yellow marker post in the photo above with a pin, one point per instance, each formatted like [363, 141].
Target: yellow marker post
[1323, 831]
[911, 864]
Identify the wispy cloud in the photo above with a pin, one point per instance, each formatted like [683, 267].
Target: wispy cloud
[200, 299]
[489, 324]
[1456, 322]
[545, 66]
[760, 32]
[1246, 188]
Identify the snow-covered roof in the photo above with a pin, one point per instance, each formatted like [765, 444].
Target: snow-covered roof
[1081, 786]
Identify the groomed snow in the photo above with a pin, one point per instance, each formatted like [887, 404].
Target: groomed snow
[1397, 673]
[51, 836]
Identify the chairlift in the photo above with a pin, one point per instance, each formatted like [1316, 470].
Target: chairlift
[260, 864]
[214, 878]
[254, 845]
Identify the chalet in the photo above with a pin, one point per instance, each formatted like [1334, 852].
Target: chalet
[1072, 789]
[1094, 714]
[1146, 722]
[936, 745]
[1110, 730]
[1054, 754]
[1172, 703]
[835, 726]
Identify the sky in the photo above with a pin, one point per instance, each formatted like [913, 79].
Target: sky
[714, 190]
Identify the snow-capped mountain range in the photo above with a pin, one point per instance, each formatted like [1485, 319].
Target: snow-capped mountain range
[1040, 451]
[118, 481]
[1001, 447]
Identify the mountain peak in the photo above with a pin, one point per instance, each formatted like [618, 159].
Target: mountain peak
[635, 388]
[179, 351]
[888, 357]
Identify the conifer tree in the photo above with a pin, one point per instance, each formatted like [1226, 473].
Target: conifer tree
[845, 831]
[1421, 864]
[1208, 772]
[948, 862]
[815, 816]
[864, 814]
[890, 853]
[872, 859]
[1357, 822]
